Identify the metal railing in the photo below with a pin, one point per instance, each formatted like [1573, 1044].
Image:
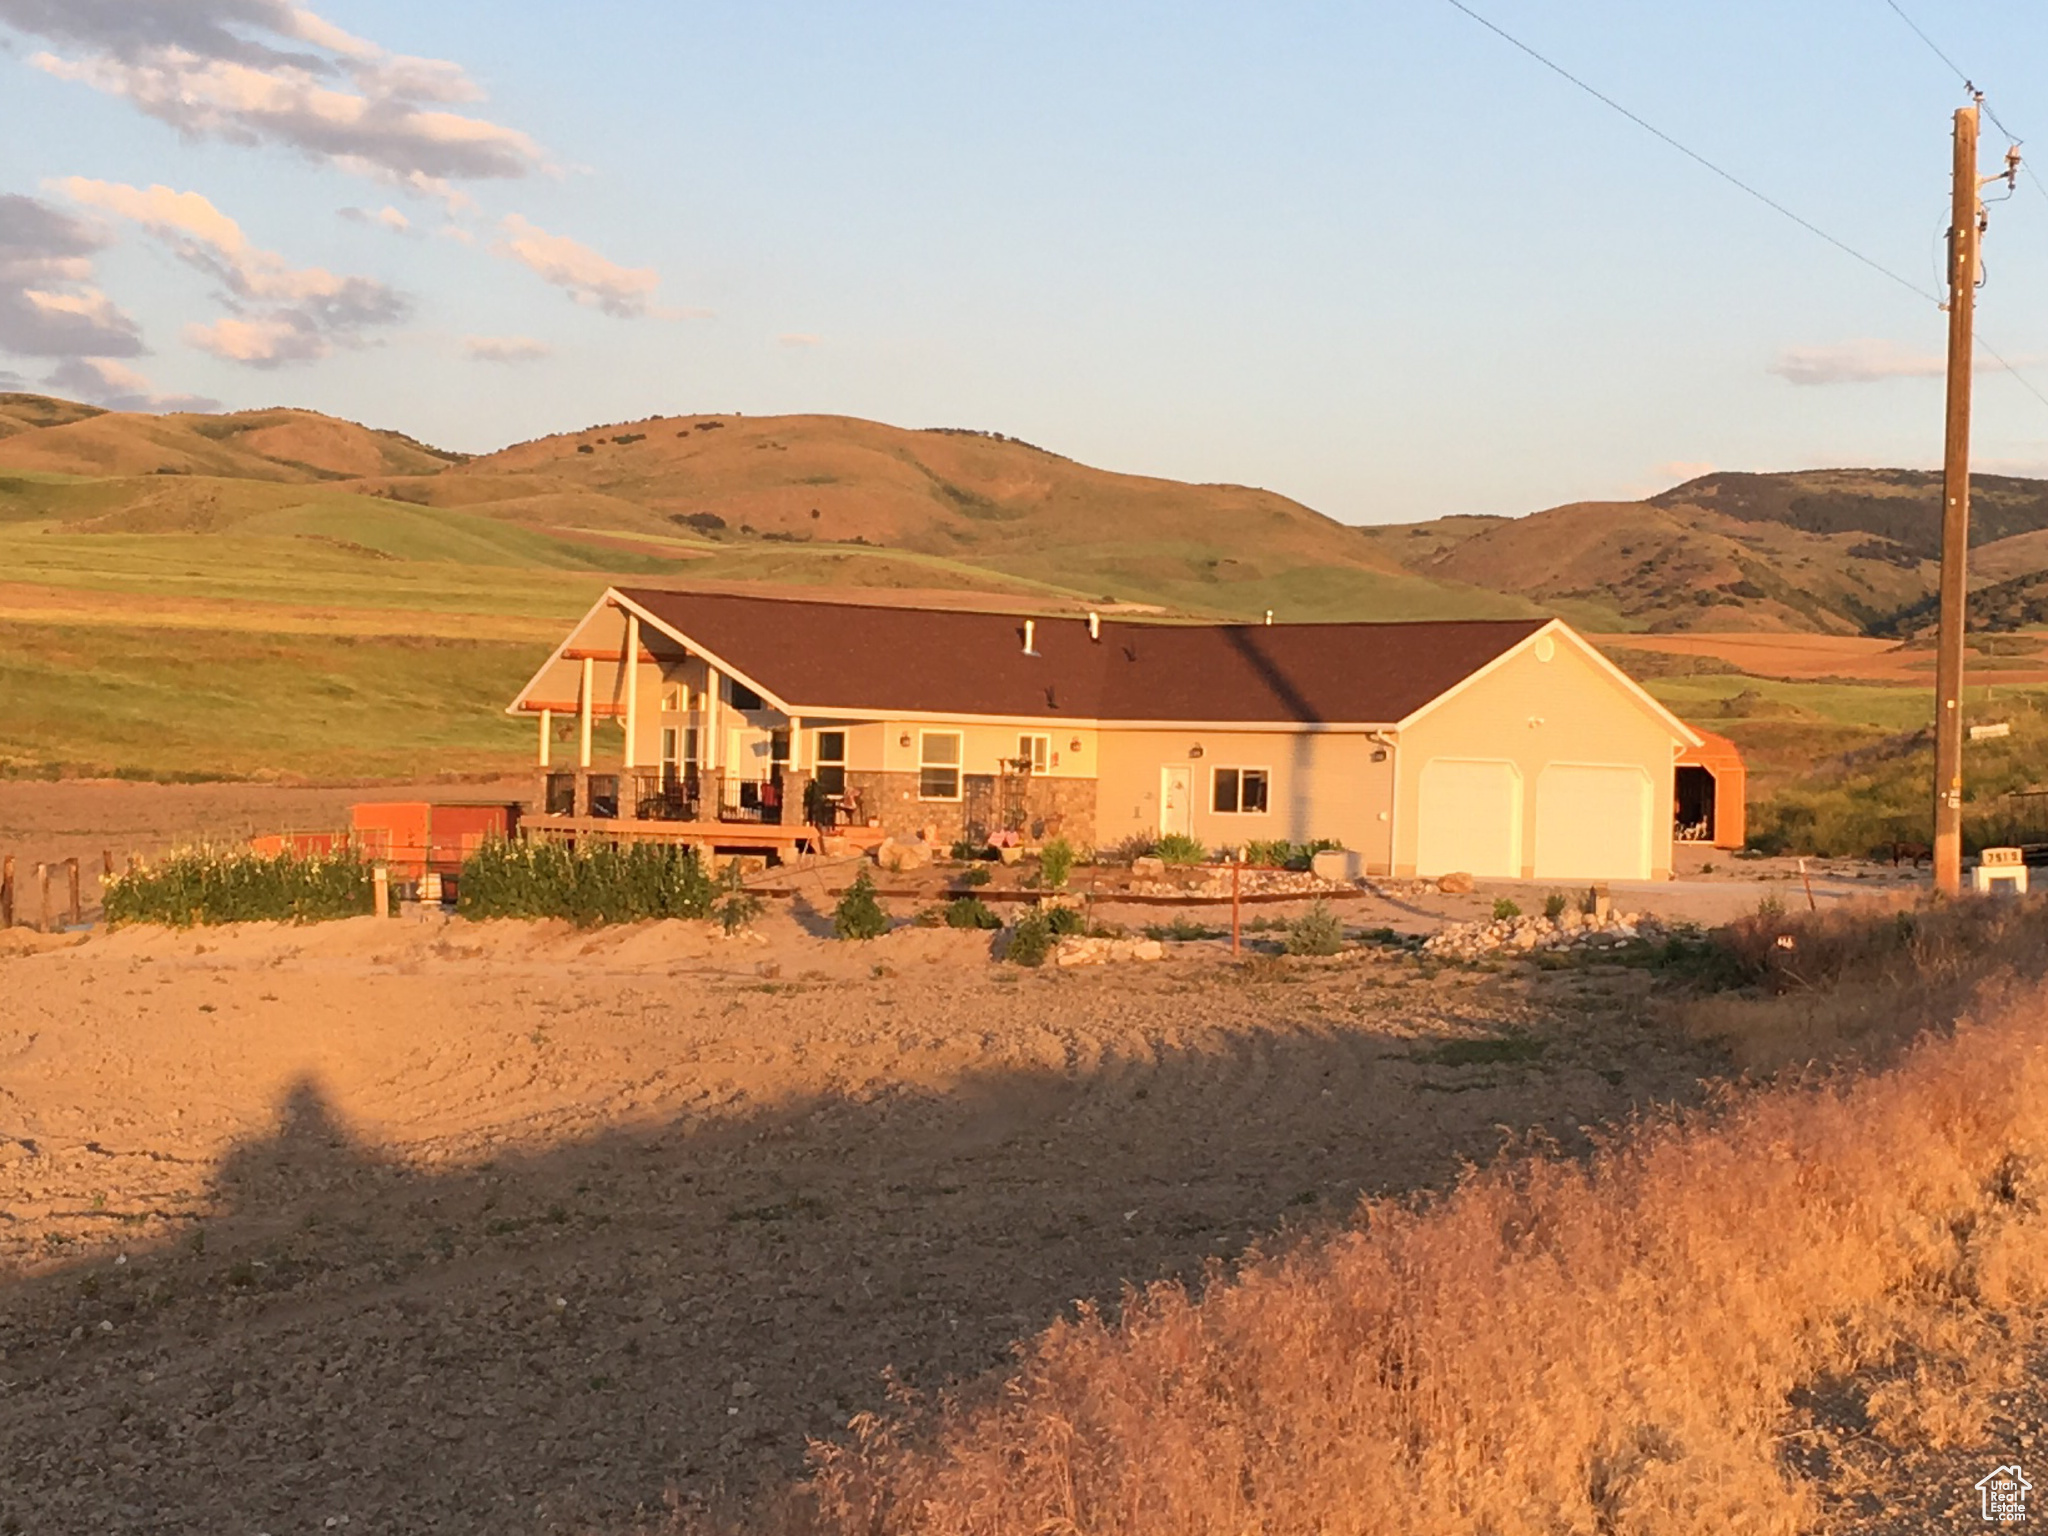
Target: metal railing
[751, 800]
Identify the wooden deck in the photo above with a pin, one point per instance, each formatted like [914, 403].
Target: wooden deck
[746, 836]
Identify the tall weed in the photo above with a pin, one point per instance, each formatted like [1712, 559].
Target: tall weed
[588, 885]
[207, 886]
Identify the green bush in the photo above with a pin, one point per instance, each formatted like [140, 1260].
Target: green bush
[1055, 864]
[971, 912]
[737, 906]
[1281, 854]
[964, 850]
[206, 886]
[588, 885]
[1179, 848]
[1504, 909]
[1556, 902]
[1031, 939]
[1066, 920]
[1318, 931]
[978, 875]
[859, 915]
[1181, 930]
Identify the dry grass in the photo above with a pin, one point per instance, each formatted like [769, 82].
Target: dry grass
[1606, 1345]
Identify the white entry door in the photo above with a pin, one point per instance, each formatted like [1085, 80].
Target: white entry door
[1593, 822]
[1177, 800]
[1469, 818]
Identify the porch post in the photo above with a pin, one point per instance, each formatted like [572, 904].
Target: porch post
[547, 735]
[584, 707]
[632, 689]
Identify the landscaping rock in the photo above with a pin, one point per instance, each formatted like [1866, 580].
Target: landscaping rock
[1459, 884]
[897, 854]
[1570, 930]
[1148, 867]
[1077, 950]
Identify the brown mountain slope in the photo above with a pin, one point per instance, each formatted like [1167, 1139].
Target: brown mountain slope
[29, 413]
[284, 445]
[1682, 567]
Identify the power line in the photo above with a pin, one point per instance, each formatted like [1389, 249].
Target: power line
[1694, 155]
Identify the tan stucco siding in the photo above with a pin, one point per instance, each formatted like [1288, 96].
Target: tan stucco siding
[1320, 785]
[1534, 714]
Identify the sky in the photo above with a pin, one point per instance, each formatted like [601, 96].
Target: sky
[1367, 255]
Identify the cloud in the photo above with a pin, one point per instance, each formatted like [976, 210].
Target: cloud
[281, 313]
[798, 339]
[1856, 362]
[48, 306]
[99, 381]
[587, 277]
[506, 349]
[272, 72]
[387, 216]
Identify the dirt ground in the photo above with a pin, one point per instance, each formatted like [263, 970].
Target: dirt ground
[431, 1226]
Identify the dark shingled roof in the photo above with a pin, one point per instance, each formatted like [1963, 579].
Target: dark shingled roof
[822, 656]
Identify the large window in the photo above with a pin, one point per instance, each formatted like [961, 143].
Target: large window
[938, 765]
[740, 696]
[831, 763]
[1240, 790]
[1035, 751]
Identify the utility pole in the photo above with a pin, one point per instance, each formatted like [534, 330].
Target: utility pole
[1965, 231]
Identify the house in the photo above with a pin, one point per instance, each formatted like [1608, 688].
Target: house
[1505, 748]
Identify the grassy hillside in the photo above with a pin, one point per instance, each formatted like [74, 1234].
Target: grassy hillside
[281, 593]
[1848, 551]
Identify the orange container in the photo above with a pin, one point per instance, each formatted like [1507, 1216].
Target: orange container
[416, 837]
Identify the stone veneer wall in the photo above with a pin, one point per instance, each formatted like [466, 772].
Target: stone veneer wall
[1061, 806]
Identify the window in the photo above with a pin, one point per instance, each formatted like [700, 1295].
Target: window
[740, 696]
[938, 765]
[1240, 790]
[671, 746]
[831, 761]
[1036, 751]
[778, 748]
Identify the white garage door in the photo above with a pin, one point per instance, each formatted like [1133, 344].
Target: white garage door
[1592, 822]
[1469, 817]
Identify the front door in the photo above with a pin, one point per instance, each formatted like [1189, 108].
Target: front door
[1176, 800]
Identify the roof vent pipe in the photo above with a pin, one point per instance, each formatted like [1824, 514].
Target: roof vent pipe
[1094, 625]
[1030, 637]
[1269, 615]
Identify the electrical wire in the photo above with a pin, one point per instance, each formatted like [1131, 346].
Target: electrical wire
[1694, 155]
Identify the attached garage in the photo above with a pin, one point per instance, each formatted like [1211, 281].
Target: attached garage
[1594, 821]
[1469, 817]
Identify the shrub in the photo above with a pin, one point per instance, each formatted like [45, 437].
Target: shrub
[966, 851]
[1556, 902]
[206, 886]
[588, 884]
[737, 906]
[1281, 854]
[975, 876]
[1181, 930]
[1055, 864]
[971, 912]
[1066, 920]
[1031, 939]
[1318, 931]
[1179, 848]
[1139, 845]
[859, 915]
[1505, 909]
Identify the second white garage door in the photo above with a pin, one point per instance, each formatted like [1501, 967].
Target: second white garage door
[1592, 822]
[1469, 818]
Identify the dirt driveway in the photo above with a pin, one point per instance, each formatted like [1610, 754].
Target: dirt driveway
[503, 1228]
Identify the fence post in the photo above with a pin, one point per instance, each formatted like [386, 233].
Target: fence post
[1236, 871]
[380, 887]
[43, 911]
[77, 906]
[7, 891]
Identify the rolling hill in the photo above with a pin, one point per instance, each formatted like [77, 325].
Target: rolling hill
[1832, 551]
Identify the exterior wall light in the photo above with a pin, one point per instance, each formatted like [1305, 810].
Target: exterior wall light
[903, 740]
[1195, 750]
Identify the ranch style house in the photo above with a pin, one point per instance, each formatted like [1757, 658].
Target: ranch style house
[1505, 748]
